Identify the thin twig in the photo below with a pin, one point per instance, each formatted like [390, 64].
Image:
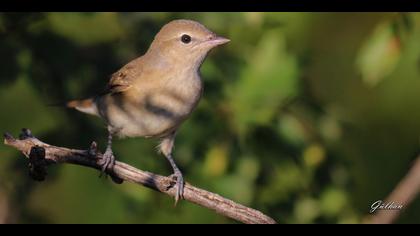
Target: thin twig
[41, 155]
[403, 194]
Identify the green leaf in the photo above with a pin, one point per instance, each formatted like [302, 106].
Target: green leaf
[379, 55]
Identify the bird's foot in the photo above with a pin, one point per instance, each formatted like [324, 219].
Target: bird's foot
[107, 161]
[179, 185]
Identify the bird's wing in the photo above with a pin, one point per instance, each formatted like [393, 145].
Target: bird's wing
[123, 79]
[119, 82]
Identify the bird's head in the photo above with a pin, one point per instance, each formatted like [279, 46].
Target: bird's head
[185, 40]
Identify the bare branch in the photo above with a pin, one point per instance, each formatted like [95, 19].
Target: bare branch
[41, 155]
[404, 193]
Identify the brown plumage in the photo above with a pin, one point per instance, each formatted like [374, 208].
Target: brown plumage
[152, 95]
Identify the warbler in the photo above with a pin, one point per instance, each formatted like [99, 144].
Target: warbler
[154, 94]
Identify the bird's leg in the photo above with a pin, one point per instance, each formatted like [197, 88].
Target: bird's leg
[179, 179]
[166, 147]
[108, 160]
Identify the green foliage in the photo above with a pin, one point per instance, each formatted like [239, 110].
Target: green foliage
[270, 77]
[379, 55]
[309, 117]
[86, 28]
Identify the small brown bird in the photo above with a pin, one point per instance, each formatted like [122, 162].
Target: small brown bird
[152, 95]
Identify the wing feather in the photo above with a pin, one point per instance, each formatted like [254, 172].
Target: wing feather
[123, 79]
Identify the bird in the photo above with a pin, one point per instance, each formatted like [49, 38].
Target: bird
[154, 94]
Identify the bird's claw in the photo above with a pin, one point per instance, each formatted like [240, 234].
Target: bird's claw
[179, 185]
[106, 162]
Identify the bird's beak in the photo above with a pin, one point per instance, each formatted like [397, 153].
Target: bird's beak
[217, 40]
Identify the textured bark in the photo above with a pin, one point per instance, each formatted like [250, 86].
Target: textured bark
[41, 155]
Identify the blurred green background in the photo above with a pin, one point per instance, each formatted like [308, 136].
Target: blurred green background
[308, 117]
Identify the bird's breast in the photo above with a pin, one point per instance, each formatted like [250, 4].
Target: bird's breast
[154, 109]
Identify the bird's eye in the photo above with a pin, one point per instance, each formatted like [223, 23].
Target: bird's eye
[185, 38]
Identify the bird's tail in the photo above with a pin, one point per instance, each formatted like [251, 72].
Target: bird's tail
[85, 105]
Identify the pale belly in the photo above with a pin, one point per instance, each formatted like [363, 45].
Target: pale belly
[152, 115]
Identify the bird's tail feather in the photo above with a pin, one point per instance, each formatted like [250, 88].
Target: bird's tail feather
[85, 105]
